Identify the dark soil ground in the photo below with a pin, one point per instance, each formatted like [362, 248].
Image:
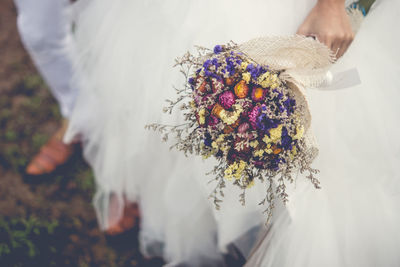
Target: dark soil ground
[51, 223]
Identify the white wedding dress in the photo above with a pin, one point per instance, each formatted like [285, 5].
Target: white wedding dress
[353, 220]
[127, 50]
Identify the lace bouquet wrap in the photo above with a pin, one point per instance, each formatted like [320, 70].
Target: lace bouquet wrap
[245, 105]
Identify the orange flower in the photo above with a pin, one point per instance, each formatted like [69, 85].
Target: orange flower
[276, 150]
[217, 110]
[231, 128]
[202, 85]
[229, 81]
[258, 94]
[236, 124]
[241, 89]
[228, 130]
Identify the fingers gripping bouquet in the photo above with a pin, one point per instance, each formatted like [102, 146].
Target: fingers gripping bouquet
[245, 106]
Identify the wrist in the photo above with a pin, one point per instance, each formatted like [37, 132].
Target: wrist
[332, 3]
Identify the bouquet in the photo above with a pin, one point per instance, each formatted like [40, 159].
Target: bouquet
[245, 106]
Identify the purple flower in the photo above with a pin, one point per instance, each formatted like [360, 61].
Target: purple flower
[274, 164]
[207, 63]
[215, 62]
[191, 81]
[250, 67]
[215, 76]
[286, 140]
[230, 65]
[289, 104]
[279, 96]
[258, 164]
[227, 99]
[255, 71]
[217, 49]
[264, 123]
[207, 140]
[281, 108]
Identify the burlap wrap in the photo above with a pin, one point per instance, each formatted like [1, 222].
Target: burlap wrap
[303, 62]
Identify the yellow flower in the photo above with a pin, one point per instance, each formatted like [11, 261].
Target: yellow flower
[254, 144]
[263, 77]
[269, 80]
[230, 117]
[230, 171]
[240, 169]
[214, 145]
[228, 174]
[274, 85]
[235, 170]
[217, 143]
[221, 138]
[268, 150]
[246, 77]
[294, 150]
[202, 116]
[258, 153]
[274, 81]
[293, 153]
[264, 84]
[276, 133]
[244, 65]
[224, 148]
[299, 132]
[266, 139]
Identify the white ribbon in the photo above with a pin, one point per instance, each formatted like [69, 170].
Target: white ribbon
[340, 80]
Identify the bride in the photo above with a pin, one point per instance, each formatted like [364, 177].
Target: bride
[127, 49]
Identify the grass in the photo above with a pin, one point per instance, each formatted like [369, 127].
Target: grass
[23, 240]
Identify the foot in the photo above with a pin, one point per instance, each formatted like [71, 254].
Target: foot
[128, 221]
[51, 155]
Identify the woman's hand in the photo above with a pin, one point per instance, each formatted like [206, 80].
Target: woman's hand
[330, 24]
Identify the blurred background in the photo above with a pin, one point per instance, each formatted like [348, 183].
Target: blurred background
[50, 222]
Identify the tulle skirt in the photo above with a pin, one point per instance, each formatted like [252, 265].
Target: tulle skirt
[127, 50]
[353, 220]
